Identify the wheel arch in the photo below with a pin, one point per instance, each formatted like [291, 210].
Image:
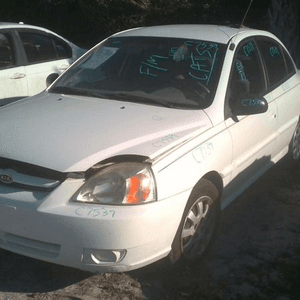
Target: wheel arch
[215, 178]
[51, 78]
[292, 146]
[211, 179]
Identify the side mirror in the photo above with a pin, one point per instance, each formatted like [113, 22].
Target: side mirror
[250, 106]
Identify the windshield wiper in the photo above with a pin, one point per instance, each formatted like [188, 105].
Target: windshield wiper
[121, 96]
[67, 90]
[131, 97]
[73, 91]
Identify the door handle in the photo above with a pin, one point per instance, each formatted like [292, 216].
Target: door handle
[17, 76]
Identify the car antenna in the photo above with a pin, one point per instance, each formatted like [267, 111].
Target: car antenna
[246, 14]
[232, 45]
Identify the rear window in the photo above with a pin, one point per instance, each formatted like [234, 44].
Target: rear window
[62, 48]
[278, 63]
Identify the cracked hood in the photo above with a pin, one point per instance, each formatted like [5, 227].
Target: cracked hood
[72, 133]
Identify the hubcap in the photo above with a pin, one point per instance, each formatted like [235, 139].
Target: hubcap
[198, 227]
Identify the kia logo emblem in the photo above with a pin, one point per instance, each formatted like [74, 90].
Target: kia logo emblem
[4, 178]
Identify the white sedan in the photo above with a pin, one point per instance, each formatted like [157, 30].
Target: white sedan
[132, 153]
[30, 56]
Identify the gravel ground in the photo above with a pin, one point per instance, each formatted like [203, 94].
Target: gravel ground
[256, 255]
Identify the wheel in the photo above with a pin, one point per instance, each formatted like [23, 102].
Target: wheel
[295, 144]
[198, 224]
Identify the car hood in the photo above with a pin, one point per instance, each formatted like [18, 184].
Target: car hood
[72, 133]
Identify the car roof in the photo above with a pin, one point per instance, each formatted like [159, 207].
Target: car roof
[214, 33]
[11, 25]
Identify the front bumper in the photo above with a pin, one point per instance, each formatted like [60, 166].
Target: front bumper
[50, 228]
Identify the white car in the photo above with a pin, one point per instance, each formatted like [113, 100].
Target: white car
[131, 154]
[29, 57]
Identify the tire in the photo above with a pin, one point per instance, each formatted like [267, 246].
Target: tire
[295, 144]
[198, 224]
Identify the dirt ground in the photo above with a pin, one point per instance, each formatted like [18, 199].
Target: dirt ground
[256, 255]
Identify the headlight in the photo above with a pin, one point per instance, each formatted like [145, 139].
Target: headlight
[122, 183]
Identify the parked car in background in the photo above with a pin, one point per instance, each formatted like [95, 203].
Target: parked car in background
[29, 56]
[131, 154]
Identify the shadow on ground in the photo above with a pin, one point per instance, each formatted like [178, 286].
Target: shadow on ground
[25, 275]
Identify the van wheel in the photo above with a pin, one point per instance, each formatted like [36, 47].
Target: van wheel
[198, 224]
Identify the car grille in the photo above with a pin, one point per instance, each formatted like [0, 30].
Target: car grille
[28, 177]
[28, 246]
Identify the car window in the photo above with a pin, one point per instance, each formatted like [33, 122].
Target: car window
[173, 72]
[289, 63]
[278, 63]
[247, 77]
[38, 47]
[7, 58]
[62, 48]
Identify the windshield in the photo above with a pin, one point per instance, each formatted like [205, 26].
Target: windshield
[169, 72]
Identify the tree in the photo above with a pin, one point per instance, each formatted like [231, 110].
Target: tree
[284, 22]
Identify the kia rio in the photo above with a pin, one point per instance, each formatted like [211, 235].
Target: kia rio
[131, 154]
[31, 56]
